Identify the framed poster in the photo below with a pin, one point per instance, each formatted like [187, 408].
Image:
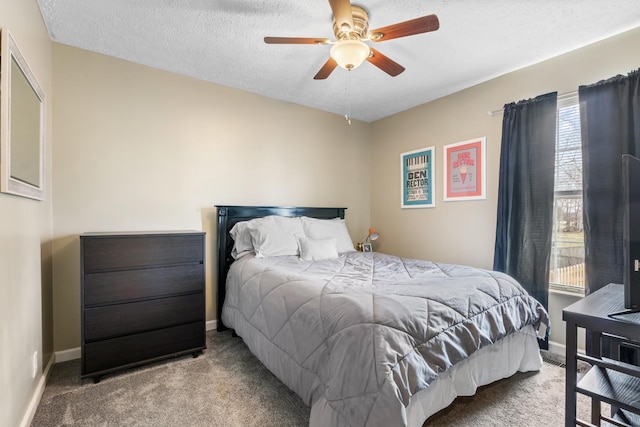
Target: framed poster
[464, 170]
[418, 169]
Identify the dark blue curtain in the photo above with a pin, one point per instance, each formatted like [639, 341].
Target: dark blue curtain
[610, 123]
[525, 194]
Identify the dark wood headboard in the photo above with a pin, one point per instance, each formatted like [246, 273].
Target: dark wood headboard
[228, 216]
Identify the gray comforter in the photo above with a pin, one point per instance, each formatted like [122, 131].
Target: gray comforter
[357, 336]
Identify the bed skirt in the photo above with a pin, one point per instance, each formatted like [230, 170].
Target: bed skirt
[517, 352]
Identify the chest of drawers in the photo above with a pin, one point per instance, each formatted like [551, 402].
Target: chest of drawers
[142, 298]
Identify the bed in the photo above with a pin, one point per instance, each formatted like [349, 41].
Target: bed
[364, 338]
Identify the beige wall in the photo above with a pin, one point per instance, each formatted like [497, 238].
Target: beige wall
[139, 149]
[142, 149]
[464, 232]
[25, 245]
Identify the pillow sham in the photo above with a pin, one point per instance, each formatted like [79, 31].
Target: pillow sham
[317, 249]
[315, 228]
[276, 236]
[241, 235]
[242, 239]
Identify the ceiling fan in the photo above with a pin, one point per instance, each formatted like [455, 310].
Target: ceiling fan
[351, 28]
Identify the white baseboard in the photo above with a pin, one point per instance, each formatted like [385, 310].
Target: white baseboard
[74, 353]
[557, 348]
[66, 355]
[37, 394]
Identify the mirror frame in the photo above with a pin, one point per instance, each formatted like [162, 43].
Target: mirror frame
[9, 53]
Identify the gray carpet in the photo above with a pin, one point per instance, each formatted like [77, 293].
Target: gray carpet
[227, 386]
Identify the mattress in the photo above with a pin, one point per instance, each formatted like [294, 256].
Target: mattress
[369, 339]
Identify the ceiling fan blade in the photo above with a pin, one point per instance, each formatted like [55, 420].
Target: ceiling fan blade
[421, 25]
[326, 69]
[386, 64]
[296, 40]
[342, 13]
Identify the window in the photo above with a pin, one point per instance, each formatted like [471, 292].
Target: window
[566, 270]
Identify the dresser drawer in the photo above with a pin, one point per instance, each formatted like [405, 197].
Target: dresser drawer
[123, 285]
[120, 319]
[135, 349]
[119, 252]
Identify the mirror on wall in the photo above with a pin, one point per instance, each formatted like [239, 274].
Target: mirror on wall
[21, 124]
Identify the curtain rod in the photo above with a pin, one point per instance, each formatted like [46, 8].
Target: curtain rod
[561, 97]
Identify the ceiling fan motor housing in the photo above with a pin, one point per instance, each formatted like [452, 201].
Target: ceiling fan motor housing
[359, 29]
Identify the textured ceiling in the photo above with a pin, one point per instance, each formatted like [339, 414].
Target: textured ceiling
[221, 41]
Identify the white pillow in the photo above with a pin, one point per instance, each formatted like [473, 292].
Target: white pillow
[325, 228]
[242, 239]
[276, 236]
[317, 249]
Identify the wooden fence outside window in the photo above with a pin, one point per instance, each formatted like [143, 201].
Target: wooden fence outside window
[572, 275]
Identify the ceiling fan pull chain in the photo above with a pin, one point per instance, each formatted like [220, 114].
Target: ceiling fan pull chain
[348, 93]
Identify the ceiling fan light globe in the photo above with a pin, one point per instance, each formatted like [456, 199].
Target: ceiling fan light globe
[350, 54]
